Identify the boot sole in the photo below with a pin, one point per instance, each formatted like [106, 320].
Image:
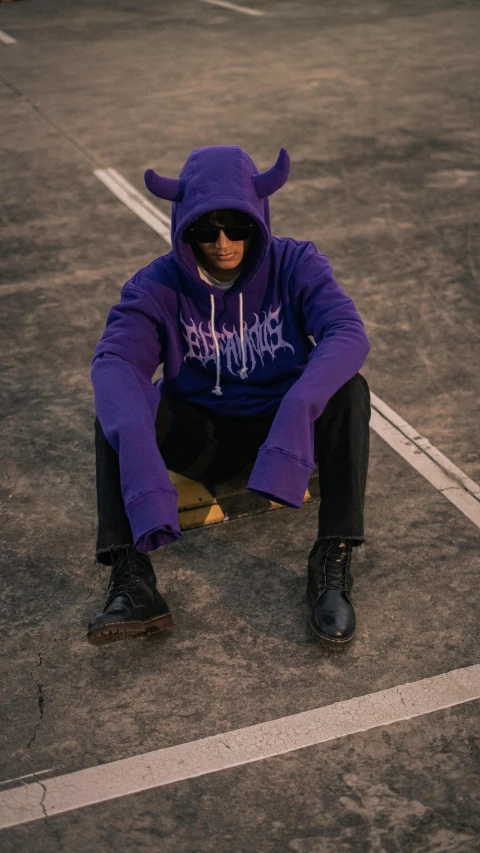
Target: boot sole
[113, 631]
[327, 642]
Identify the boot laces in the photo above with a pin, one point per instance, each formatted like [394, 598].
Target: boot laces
[123, 579]
[336, 566]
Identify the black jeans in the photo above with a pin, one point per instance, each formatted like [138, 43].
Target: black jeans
[213, 448]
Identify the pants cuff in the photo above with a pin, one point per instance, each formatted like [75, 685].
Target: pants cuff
[105, 555]
[355, 540]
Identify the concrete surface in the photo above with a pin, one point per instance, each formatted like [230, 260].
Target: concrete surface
[375, 102]
[398, 789]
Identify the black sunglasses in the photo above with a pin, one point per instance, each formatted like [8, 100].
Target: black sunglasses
[210, 233]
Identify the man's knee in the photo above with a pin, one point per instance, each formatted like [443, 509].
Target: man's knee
[357, 386]
[353, 395]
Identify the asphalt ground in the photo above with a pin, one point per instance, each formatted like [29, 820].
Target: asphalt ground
[376, 104]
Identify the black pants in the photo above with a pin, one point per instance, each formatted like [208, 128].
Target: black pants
[213, 448]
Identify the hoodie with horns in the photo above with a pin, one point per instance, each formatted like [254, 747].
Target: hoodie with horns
[242, 352]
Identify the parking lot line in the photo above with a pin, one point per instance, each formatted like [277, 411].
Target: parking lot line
[134, 200]
[226, 5]
[160, 767]
[414, 448]
[459, 489]
[6, 39]
[27, 776]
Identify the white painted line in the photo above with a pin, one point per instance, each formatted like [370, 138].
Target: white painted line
[226, 5]
[450, 480]
[134, 200]
[6, 38]
[424, 445]
[232, 749]
[440, 476]
[28, 776]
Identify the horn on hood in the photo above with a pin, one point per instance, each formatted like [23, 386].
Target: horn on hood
[171, 189]
[267, 183]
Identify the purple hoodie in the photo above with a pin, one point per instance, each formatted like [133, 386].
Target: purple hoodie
[241, 352]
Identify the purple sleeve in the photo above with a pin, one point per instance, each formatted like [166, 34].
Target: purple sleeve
[126, 403]
[285, 462]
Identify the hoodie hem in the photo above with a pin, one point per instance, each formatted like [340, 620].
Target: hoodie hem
[154, 521]
[280, 477]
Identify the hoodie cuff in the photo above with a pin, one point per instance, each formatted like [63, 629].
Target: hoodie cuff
[154, 520]
[280, 477]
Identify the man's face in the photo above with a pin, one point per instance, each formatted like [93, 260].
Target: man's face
[225, 254]
[223, 257]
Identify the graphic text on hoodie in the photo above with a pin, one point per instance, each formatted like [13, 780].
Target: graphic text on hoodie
[264, 336]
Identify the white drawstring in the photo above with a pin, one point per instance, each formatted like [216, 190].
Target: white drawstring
[217, 390]
[243, 372]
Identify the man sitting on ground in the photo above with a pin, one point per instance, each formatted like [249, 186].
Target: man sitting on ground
[230, 312]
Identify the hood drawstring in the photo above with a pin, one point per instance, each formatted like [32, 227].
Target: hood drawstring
[217, 390]
[243, 372]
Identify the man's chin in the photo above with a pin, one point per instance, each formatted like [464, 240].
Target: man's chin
[228, 263]
[225, 266]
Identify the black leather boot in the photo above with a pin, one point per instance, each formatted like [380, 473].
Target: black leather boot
[328, 591]
[134, 606]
